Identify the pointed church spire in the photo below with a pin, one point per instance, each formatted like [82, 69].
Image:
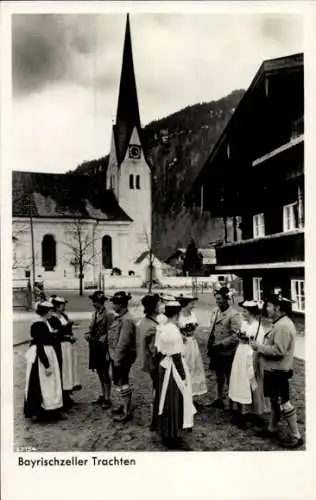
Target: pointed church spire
[127, 116]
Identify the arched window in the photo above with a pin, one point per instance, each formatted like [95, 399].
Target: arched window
[49, 252]
[107, 252]
[137, 181]
[131, 181]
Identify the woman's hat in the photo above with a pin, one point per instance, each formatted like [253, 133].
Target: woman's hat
[120, 297]
[98, 296]
[167, 297]
[46, 305]
[150, 301]
[173, 303]
[251, 304]
[58, 300]
[185, 299]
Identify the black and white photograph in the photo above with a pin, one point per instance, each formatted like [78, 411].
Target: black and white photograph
[158, 285]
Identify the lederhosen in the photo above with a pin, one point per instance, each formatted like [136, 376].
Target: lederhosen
[276, 382]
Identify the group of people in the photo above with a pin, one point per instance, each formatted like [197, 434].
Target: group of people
[255, 364]
[52, 362]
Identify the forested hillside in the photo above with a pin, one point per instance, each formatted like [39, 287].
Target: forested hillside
[177, 147]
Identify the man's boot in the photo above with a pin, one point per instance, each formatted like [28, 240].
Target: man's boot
[126, 415]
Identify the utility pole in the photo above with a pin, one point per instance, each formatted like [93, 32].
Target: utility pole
[150, 284]
[29, 211]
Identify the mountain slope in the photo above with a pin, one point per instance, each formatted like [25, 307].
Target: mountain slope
[177, 147]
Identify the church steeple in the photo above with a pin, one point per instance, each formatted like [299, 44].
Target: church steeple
[127, 116]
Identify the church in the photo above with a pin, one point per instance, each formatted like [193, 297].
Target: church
[66, 224]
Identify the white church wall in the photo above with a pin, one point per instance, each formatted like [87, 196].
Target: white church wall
[64, 274]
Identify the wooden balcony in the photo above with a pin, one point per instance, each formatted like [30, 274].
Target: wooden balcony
[275, 250]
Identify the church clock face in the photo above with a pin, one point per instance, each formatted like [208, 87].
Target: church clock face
[134, 151]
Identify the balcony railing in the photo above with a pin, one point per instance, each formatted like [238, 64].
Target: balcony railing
[275, 248]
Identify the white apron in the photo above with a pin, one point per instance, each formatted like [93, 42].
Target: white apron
[50, 385]
[242, 375]
[193, 357]
[169, 342]
[70, 362]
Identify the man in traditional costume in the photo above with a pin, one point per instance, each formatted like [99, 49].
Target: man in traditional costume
[99, 359]
[122, 349]
[277, 353]
[146, 337]
[222, 343]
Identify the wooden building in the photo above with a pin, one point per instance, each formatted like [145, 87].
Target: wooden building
[256, 172]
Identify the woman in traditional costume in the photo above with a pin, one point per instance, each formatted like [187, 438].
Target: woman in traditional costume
[173, 405]
[246, 380]
[188, 324]
[61, 322]
[43, 388]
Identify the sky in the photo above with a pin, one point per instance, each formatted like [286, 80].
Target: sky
[66, 70]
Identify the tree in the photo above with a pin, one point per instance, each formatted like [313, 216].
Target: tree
[19, 261]
[82, 248]
[192, 259]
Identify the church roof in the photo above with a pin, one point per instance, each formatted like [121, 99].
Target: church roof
[63, 196]
[127, 115]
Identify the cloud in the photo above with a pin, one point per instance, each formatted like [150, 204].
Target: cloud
[66, 72]
[61, 48]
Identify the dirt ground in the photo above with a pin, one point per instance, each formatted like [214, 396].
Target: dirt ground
[90, 428]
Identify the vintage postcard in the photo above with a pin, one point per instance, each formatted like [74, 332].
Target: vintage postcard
[157, 165]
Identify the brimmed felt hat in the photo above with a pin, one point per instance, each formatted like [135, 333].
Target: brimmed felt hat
[278, 299]
[223, 291]
[120, 297]
[150, 300]
[98, 296]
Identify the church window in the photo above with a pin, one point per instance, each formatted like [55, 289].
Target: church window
[131, 181]
[49, 252]
[107, 252]
[137, 181]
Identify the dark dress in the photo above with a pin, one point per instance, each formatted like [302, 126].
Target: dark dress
[41, 336]
[169, 424]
